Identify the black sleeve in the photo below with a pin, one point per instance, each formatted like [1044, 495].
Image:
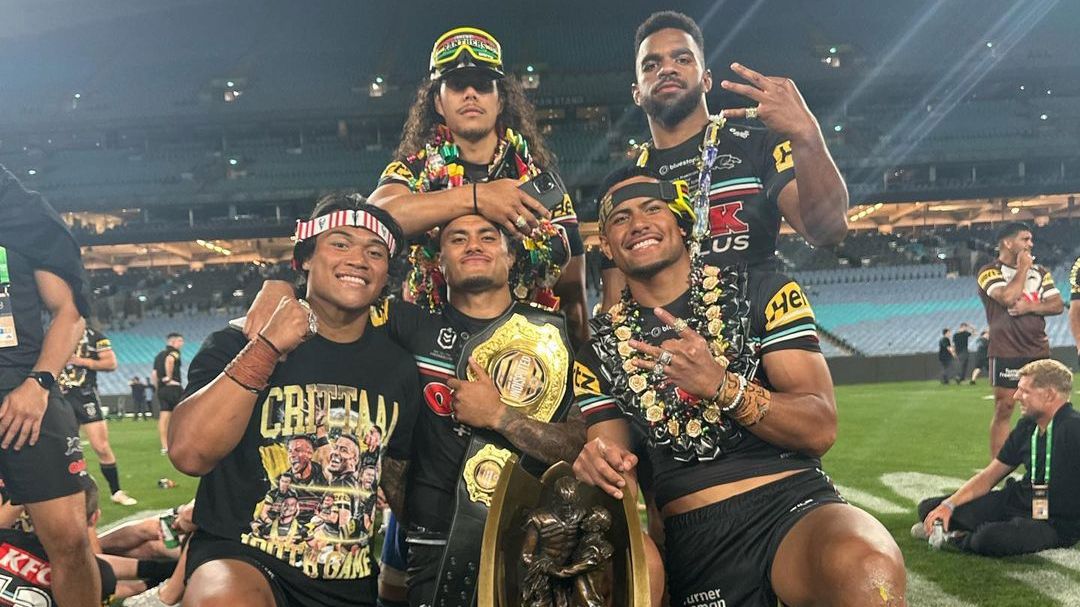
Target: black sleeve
[1011, 453]
[407, 324]
[592, 388]
[215, 354]
[406, 173]
[776, 166]
[782, 316]
[108, 580]
[564, 215]
[400, 445]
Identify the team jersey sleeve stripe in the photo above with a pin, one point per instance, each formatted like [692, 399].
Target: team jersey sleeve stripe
[806, 330]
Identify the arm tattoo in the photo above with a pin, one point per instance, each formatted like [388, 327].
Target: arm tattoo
[393, 484]
[548, 443]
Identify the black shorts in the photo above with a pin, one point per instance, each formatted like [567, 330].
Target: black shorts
[289, 585]
[85, 405]
[53, 467]
[722, 554]
[169, 397]
[982, 362]
[1005, 372]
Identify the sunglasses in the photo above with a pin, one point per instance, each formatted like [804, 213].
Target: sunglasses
[481, 82]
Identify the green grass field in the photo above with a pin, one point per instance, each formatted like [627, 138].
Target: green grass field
[898, 443]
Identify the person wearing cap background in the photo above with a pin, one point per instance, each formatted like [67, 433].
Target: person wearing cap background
[469, 141]
[725, 395]
[316, 369]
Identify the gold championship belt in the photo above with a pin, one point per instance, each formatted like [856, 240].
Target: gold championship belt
[527, 354]
[556, 541]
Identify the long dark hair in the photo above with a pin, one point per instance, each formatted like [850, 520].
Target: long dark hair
[517, 113]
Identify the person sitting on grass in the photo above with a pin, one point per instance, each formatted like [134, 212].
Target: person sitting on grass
[1027, 515]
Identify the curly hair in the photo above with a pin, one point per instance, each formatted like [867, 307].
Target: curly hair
[517, 113]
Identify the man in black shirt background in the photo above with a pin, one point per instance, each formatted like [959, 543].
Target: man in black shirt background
[759, 174]
[945, 356]
[982, 355]
[78, 381]
[169, 386]
[41, 458]
[1041, 510]
[960, 348]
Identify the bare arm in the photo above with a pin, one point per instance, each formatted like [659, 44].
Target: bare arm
[571, 292]
[67, 325]
[394, 476]
[170, 364]
[1052, 306]
[606, 461]
[976, 487]
[478, 404]
[24, 407]
[548, 443]
[195, 444]
[816, 202]
[500, 201]
[802, 415]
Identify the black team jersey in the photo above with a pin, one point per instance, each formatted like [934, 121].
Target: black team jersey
[752, 166]
[436, 342]
[26, 574]
[781, 318]
[330, 414]
[159, 365]
[91, 345]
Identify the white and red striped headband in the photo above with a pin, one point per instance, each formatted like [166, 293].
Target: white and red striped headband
[347, 217]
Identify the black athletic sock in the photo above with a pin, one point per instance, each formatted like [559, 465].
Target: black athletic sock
[154, 572]
[109, 472]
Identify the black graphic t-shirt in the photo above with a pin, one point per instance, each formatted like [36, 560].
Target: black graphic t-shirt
[1064, 466]
[436, 342]
[159, 366]
[780, 319]
[92, 344]
[752, 166]
[26, 574]
[301, 484]
[26, 306]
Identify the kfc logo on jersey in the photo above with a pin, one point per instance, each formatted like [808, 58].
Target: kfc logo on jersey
[25, 565]
[438, 395]
[728, 232]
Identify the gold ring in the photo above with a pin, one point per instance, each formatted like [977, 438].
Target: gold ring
[751, 113]
[664, 358]
[520, 221]
[680, 325]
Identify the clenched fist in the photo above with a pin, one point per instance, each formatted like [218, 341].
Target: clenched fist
[289, 326]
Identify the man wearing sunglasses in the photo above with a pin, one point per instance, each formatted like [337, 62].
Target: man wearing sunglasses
[469, 142]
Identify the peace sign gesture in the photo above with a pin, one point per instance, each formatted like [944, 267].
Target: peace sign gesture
[778, 103]
[686, 360]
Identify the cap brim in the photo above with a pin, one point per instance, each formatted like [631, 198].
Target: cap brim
[490, 71]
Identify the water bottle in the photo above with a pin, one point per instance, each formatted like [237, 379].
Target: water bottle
[937, 536]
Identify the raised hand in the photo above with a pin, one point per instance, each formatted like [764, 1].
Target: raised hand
[778, 103]
[503, 203]
[289, 326]
[686, 360]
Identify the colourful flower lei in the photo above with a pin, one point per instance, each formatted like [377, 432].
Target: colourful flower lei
[535, 270]
[720, 312]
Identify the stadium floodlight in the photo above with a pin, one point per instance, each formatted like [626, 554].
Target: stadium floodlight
[31, 172]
